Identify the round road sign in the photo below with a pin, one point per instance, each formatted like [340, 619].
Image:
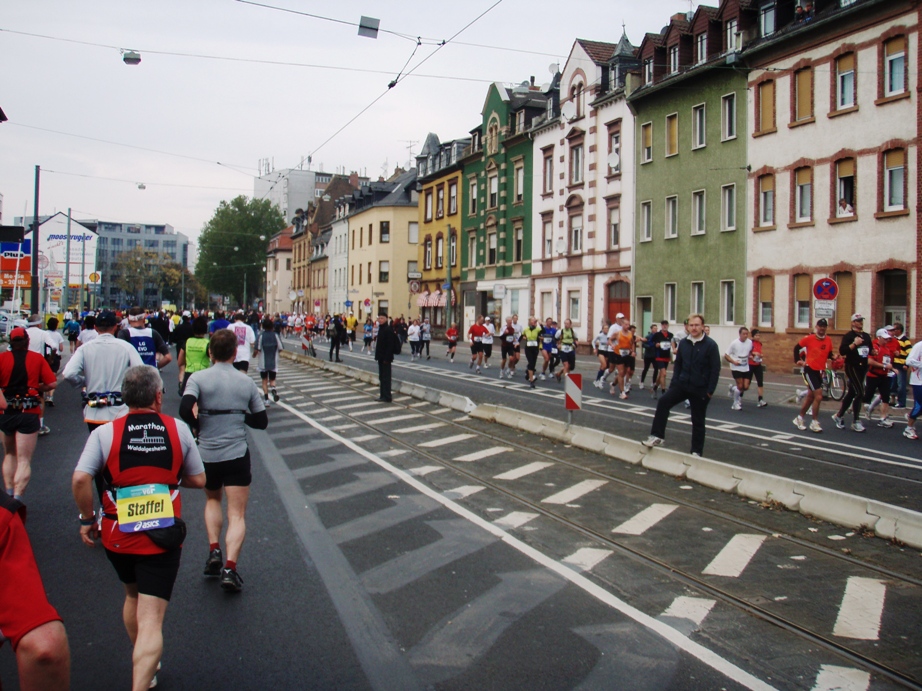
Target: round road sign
[43, 261]
[825, 289]
[367, 302]
[414, 287]
[94, 277]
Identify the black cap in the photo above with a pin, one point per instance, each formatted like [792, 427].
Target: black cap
[822, 322]
[106, 318]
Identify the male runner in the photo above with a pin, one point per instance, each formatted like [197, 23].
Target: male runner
[475, 335]
[548, 344]
[811, 353]
[856, 348]
[881, 374]
[738, 356]
[662, 341]
[507, 348]
[487, 341]
[517, 329]
[245, 340]
[532, 335]
[150, 344]
[756, 366]
[566, 344]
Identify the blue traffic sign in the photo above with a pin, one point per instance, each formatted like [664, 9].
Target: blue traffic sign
[446, 286]
[348, 303]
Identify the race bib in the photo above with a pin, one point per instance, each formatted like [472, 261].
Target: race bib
[554, 351]
[531, 344]
[863, 351]
[548, 339]
[144, 507]
[508, 339]
[886, 359]
[624, 352]
[757, 359]
[477, 339]
[665, 346]
[566, 348]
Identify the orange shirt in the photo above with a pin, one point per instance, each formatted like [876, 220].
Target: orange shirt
[818, 351]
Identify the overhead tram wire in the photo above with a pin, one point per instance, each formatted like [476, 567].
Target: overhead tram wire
[136, 182]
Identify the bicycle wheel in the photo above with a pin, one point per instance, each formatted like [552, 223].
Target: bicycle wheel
[837, 387]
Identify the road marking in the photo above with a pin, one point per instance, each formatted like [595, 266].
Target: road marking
[404, 509]
[781, 437]
[692, 608]
[445, 441]
[439, 411]
[330, 417]
[480, 455]
[861, 609]
[514, 520]
[575, 492]
[522, 471]
[396, 418]
[732, 560]
[365, 482]
[646, 519]
[403, 398]
[418, 405]
[377, 410]
[340, 428]
[350, 397]
[833, 678]
[462, 492]
[419, 428]
[327, 394]
[392, 453]
[426, 469]
[339, 462]
[356, 405]
[586, 558]
[366, 437]
[289, 399]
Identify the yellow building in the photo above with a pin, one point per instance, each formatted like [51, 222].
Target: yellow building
[439, 173]
[382, 244]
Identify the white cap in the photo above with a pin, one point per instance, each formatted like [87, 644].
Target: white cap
[619, 316]
[486, 319]
[884, 334]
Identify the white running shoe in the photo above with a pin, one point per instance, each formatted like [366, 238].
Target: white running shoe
[857, 426]
[641, 386]
[623, 395]
[652, 441]
[542, 377]
[598, 384]
[815, 427]
[885, 422]
[840, 423]
[478, 370]
[910, 433]
[799, 423]
[736, 405]
[763, 403]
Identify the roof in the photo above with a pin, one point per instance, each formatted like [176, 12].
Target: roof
[624, 48]
[430, 146]
[597, 50]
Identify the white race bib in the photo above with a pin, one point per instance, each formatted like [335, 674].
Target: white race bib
[531, 344]
[477, 339]
[566, 348]
[863, 351]
[665, 346]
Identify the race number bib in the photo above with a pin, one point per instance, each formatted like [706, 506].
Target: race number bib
[508, 339]
[531, 344]
[624, 352]
[886, 359]
[566, 348]
[548, 339]
[863, 351]
[477, 339]
[665, 346]
[554, 351]
[144, 507]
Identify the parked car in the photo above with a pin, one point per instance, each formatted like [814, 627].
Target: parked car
[10, 319]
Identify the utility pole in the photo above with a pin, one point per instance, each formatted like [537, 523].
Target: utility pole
[34, 294]
[67, 265]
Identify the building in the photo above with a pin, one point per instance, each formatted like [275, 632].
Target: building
[583, 198]
[278, 272]
[290, 189]
[834, 178]
[496, 218]
[383, 238]
[690, 138]
[320, 272]
[439, 179]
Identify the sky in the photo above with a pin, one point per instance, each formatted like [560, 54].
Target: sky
[225, 84]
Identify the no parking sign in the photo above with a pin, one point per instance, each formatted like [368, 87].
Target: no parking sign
[825, 289]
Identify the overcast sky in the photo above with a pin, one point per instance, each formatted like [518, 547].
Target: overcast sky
[72, 103]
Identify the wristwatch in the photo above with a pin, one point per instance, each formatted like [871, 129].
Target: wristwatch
[87, 521]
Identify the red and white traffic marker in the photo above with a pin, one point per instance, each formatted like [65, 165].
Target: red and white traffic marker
[573, 391]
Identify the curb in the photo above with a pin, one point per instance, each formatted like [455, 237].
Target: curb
[848, 510]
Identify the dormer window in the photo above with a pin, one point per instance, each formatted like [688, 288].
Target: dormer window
[520, 121]
[701, 47]
[732, 37]
[673, 59]
[648, 71]
[614, 75]
[767, 18]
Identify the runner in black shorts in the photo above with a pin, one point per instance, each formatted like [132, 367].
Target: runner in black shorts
[233, 473]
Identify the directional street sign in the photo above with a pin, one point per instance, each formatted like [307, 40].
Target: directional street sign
[348, 303]
[825, 289]
[573, 392]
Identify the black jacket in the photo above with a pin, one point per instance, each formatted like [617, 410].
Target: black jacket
[697, 366]
[385, 346]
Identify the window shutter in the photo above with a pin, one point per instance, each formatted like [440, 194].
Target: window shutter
[846, 63]
[895, 158]
[844, 300]
[896, 45]
[803, 176]
[802, 288]
[846, 168]
[804, 94]
[767, 183]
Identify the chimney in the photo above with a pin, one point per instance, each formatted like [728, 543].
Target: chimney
[354, 179]
[532, 80]
[680, 17]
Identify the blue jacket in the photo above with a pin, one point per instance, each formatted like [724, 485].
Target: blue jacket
[697, 366]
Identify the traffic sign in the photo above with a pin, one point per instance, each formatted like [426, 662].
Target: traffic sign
[94, 277]
[316, 303]
[348, 303]
[573, 392]
[43, 261]
[825, 289]
[414, 287]
[446, 286]
[367, 302]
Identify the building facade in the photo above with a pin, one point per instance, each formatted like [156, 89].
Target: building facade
[290, 189]
[278, 272]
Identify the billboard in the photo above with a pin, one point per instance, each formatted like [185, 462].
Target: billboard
[53, 245]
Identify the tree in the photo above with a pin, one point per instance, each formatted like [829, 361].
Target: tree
[232, 247]
[137, 269]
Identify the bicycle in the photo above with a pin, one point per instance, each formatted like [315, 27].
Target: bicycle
[834, 385]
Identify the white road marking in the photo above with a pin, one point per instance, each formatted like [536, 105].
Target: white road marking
[418, 405]
[377, 410]
[340, 428]
[522, 471]
[395, 418]
[393, 452]
[426, 469]
[350, 397]
[366, 437]
[356, 405]
[439, 411]
[419, 428]
[330, 417]
[646, 519]
[445, 441]
[462, 492]
[514, 520]
[462, 418]
[480, 455]
[327, 394]
[833, 678]
[289, 399]
[586, 557]
[733, 559]
[575, 492]
[693, 608]
[861, 609]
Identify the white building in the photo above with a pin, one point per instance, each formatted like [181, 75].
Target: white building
[338, 253]
[279, 295]
[290, 189]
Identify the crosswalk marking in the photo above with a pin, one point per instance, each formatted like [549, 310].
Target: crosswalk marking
[327, 394]
[645, 520]
[834, 678]
[392, 453]
[445, 441]
[462, 492]
[289, 399]
[366, 437]
[515, 519]
[356, 405]
[419, 428]
[587, 557]
[439, 411]
[522, 471]
[329, 417]
[692, 608]
[340, 428]
[350, 397]
[377, 410]
[395, 418]
[575, 492]
[732, 560]
[480, 455]
[425, 470]
[861, 609]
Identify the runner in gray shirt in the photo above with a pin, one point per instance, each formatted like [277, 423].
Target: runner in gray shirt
[268, 345]
[228, 402]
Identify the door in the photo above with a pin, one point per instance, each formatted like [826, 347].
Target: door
[619, 299]
[645, 310]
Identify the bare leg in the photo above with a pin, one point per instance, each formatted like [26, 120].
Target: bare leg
[43, 658]
[214, 517]
[148, 643]
[237, 498]
[25, 447]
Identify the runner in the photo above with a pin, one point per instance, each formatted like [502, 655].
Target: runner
[662, 341]
[914, 364]
[219, 322]
[475, 335]
[738, 356]
[150, 345]
[72, 331]
[649, 355]
[40, 342]
[268, 345]
[898, 394]
[413, 337]
[451, 339]
[532, 335]
[756, 366]
[880, 376]
[425, 333]
[89, 331]
[228, 402]
[488, 341]
[624, 344]
[507, 348]
[548, 344]
[24, 377]
[602, 349]
[194, 357]
[53, 354]
[351, 322]
[517, 345]
[812, 352]
[245, 340]
[856, 347]
[367, 330]
[566, 344]
[614, 359]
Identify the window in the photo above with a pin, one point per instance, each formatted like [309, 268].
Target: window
[845, 187]
[413, 233]
[895, 66]
[412, 266]
[698, 213]
[573, 306]
[520, 121]
[728, 207]
[576, 95]
[728, 117]
[385, 231]
[453, 198]
[519, 182]
[669, 292]
[802, 290]
[369, 273]
[701, 47]
[765, 287]
[576, 164]
[439, 252]
[803, 94]
[646, 142]
[895, 180]
[548, 171]
[672, 217]
[614, 151]
[727, 301]
[648, 71]
[766, 107]
[732, 36]
[384, 272]
[491, 248]
[370, 232]
[493, 184]
[427, 256]
[767, 200]
[767, 18]
[518, 253]
[471, 251]
[646, 221]
[614, 227]
[547, 234]
[472, 198]
[803, 195]
[383, 307]
[673, 59]
[845, 81]
[699, 125]
[428, 206]
[672, 134]
[845, 300]
[576, 233]
[453, 250]
[440, 202]
[697, 297]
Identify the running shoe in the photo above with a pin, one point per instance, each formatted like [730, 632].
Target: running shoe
[598, 384]
[486, 365]
[799, 423]
[840, 423]
[214, 563]
[478, 370]
[857, 426]
[801, 394]
[652, 441]
[557, 374]
[815, 427]
[687, 403]
[502, 373]
[543, 378]
[471, 365]
[653, 393]
[623, 395]
[267, 402]
[736, 405]
[885, 422]
[531, 383]
[153, 682]
[44, 430]
[49, 402]
[876, 401]
[275, 394]
[641, 386]
[910, 433]
[231, 581]
[763, 403]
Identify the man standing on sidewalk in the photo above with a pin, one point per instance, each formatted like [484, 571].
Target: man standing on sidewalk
[697, 371]
[384, 354]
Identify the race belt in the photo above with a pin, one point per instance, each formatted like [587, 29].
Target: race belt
[102, 399]
[23, 402]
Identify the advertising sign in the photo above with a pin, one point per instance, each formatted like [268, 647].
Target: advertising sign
[10, 252]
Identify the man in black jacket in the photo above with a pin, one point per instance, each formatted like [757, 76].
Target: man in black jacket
[384, 354]
[697, 370]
